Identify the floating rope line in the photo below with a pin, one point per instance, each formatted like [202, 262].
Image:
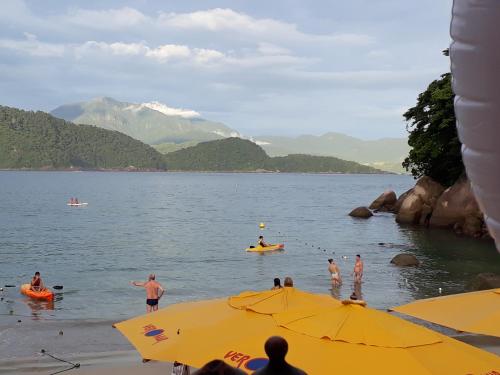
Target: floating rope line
[73, 365]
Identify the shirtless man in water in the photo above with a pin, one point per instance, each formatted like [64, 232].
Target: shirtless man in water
[335, 272]
[358, 269]
[154, 291]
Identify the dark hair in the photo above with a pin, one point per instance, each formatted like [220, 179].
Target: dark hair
[37, 273]
[353, 296]
[359, 256]
[277, 282]
[261, 236]
[330, 260]
[217, 367]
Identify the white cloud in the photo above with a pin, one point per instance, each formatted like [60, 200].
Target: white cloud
[110, 19]
[272, 49]
[162, 54]
[221, 20]
[168, 52]
[32, 46]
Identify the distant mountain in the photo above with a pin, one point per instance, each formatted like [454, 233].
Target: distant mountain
[37, 140]
[385, 153]
[152, 123]
[236, 154]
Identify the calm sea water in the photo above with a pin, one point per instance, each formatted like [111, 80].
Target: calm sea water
[192, 229]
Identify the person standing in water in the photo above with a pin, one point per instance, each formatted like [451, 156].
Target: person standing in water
[358, 269]
[334, 272]
[154, 291]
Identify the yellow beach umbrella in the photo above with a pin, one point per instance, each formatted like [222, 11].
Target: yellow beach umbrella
[355, 340]
[476, 312]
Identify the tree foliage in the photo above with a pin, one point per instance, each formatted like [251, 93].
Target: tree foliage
[37, 140]
[433, 135]
[235, 154]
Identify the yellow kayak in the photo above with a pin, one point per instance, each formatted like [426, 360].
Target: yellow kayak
[261, 249]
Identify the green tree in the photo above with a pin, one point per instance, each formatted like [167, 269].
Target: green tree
[433, 135]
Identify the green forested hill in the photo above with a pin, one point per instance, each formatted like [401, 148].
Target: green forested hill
[230, 154]
[316, 164]
[37, 140]
[235, 154]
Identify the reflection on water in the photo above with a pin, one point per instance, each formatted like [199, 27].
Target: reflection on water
[449, 266]
[38, 306]
[356, 290]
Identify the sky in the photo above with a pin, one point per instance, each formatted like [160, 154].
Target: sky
[280, 67]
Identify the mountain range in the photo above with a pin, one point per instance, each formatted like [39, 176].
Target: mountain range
[37, 140]
[170, 129]
[152, 123]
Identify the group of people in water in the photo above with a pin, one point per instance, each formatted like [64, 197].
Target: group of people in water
[73, 201]
[334, 270]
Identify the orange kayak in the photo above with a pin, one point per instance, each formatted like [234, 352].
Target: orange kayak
[46, 294]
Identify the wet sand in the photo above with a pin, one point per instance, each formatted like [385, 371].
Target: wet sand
[122, 362]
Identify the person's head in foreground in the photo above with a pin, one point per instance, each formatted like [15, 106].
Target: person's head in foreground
[218, 367]
[358, 257]
[37, 275]
[151, 277]
[288, 281]
[353, 296]
[330, 260]
[276, 349]
[261, 237]
[277, 283]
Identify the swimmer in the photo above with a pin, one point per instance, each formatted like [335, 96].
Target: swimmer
[334, 272]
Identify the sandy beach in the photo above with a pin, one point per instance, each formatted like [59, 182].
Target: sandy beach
[129, 362]
[124, 362]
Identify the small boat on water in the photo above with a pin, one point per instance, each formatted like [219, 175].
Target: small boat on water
[77, 204]
[262, 249]
[45, 294]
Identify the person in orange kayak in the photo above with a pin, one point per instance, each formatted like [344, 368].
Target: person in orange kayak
[37, 283]
[261, 242]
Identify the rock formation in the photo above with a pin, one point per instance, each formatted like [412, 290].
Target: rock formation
[485, 281]
[385, 202]
[405, 260]
[418, 205]
[361, 212]
[457, 208]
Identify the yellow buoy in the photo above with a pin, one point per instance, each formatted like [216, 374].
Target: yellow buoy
[262, 225]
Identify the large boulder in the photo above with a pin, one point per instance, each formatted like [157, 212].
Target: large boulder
[361, 212]
[385, 202]
[401, 199]
[419, 203]
[485, 281]
[457, 208]
[405, 260]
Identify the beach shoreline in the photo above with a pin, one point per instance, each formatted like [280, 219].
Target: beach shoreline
[126, 362]
[100, 349]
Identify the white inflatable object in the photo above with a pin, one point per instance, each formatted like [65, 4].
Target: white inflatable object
[475, 68]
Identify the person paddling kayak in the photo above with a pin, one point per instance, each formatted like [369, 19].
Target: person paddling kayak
[261, 242]
[37, 283]
[154, 291]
